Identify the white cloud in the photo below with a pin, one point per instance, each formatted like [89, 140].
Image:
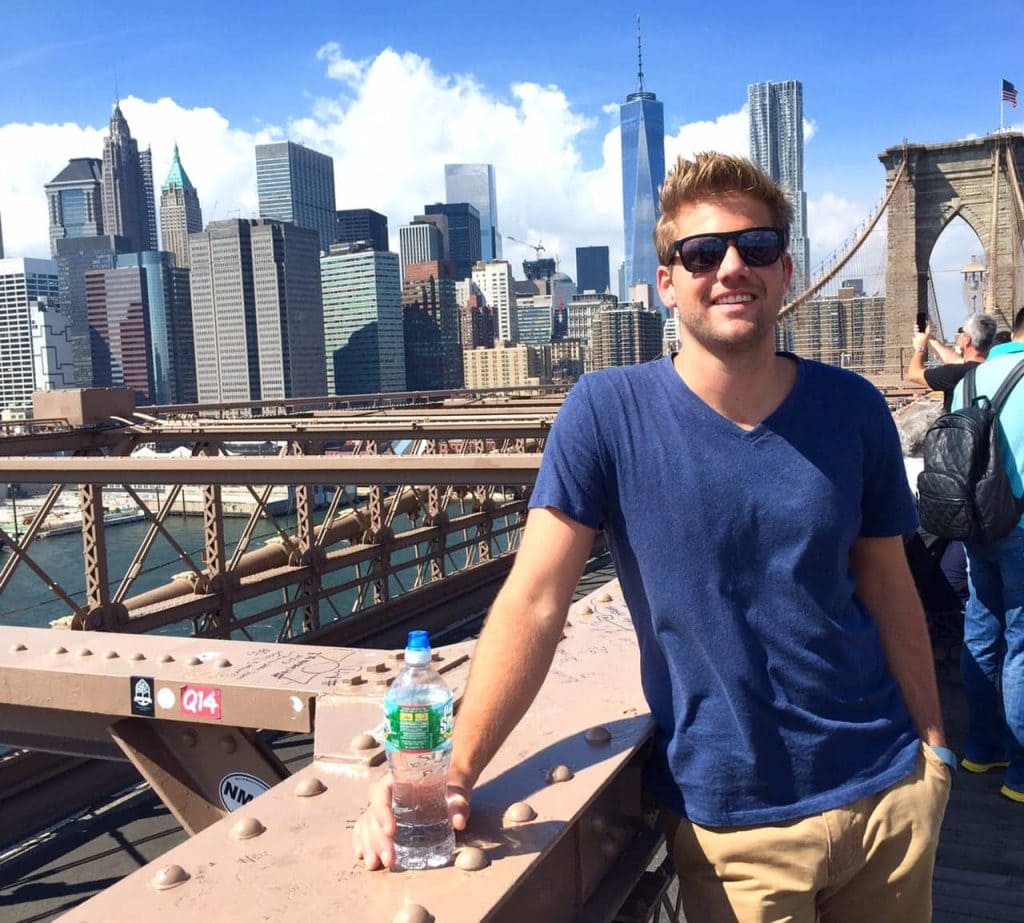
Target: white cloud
[390, 132]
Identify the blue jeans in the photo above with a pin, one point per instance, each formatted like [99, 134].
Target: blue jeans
[992, 657]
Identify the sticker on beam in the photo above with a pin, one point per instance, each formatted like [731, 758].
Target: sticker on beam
[201, 702]
[239, 788]
[141, 691]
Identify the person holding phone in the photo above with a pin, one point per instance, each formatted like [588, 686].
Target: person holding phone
[973, 341]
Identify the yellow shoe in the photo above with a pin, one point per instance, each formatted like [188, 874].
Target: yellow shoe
[972, 766]
[1012, 794]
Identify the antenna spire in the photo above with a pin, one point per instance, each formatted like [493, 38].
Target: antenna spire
[639, 58]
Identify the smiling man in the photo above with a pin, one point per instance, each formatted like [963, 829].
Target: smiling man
[754, 504]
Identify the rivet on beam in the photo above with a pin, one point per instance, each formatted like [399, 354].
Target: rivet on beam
[413, 913]
[60, 649]
[363, 742]
[598, 735]
[519, 813]
[228, 744]
[18, 648]
[193, 661]
[310, 787]
[170, 876]
[189, 738]
[223, 662]
[604, 598]
[166, 658]
[559, 774]
[246, 829]
[84, 652]
[138, 655]
[354, 680]
[471, 859]
[111, 655]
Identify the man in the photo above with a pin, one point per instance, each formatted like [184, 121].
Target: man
[974, 340]
[754, 504]
[992, 656]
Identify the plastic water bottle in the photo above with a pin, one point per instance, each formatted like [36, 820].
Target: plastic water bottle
[418, 718]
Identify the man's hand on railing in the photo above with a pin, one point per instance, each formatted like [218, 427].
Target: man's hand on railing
[373, 837]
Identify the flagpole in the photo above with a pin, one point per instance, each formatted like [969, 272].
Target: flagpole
[1002, 104]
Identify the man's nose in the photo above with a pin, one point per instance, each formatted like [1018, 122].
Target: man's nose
[732, 262]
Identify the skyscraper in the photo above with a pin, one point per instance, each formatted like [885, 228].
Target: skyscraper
[421, 242]
[127, 181]
[180, 214]
[494, 280]
[474, 183]
[592, 270]
[777, 147]
[257, 313]
[296, 184]
[35, 352]
[430, 319]
[363, 330]
[74, 199]
[625, 334]
[642, 121]
[361, 225]
[464, 239]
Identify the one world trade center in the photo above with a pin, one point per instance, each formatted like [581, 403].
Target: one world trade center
[642, 121]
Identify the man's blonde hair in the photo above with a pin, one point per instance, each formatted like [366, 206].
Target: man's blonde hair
[711, 175]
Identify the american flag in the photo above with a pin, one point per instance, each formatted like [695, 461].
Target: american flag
[1010, 93]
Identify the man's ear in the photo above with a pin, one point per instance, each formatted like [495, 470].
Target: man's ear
[666, 291]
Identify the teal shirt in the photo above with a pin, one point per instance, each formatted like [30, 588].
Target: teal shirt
[988, 377]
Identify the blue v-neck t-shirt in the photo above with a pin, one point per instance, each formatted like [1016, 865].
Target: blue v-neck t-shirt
[763, 670]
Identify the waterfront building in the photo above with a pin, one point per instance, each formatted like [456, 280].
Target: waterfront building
[257, 313]
[592, 270]
[180, 214]
[502, 366]
[421, 242]
[493, 278]
[129, 209]
[581, 310]
[363, 329]
[361, 225]
[463, 239]
[626, 334]
[170, 347]
[430, 320]
[35, 346]
[296, 184]
[75, 256]
[474, 183]
[845, 329]
[777, 147]
[74, 199]
[642, 127]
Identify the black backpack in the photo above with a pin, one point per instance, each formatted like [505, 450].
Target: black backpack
[963, 491]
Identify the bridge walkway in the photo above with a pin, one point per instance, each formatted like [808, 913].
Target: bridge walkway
[979, 875]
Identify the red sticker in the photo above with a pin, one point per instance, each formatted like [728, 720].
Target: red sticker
[201, 701]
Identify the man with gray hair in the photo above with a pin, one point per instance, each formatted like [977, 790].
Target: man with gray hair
[970, 348]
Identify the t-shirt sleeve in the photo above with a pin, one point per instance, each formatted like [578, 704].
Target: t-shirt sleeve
[571, 477]
[887, 505]
[944, 377]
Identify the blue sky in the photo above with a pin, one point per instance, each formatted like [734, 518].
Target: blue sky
[531, 87]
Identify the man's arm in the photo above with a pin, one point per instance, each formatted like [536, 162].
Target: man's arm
[946, 353]
[915, 371]
[510, 661]
[886, 587]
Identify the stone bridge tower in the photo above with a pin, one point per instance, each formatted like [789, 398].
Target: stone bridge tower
[979, 180]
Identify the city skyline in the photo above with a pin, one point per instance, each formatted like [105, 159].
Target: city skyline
[549, 127]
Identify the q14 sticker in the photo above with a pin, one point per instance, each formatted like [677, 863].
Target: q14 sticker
[201, 702]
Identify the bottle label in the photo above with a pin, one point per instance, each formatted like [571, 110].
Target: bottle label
[418, 727]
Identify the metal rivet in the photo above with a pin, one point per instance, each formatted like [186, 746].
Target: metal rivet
[111, 655]
[413, 913]
[84, 652]
[246, 829]
[598, 735]
[170, 876]
[228, 744]
[471, 859]
[377, 668]
[309, 788]
[189, 738]
[559, 774]
[519, 813]
[355, 680]
[18, 648]
[604, 598]
[363, 742]
[436, 656]
[568, 623]
[223, 662]
[193, 661]
[138, 655]
[166, 658]
[60, 649]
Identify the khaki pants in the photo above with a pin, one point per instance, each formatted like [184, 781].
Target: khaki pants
[868, 861]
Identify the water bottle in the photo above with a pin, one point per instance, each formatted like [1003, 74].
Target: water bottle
[418, 719]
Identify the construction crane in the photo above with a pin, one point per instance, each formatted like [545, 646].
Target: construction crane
[537, 247]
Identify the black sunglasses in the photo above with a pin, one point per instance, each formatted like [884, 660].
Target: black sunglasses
[756, 247]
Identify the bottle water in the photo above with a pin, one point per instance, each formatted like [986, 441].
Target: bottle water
[418, 718]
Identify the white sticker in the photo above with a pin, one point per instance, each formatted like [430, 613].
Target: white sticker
[297, 704]
[165, 697]
[209, 655]
[239, 788]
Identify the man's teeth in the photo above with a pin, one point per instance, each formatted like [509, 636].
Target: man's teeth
[734, 299]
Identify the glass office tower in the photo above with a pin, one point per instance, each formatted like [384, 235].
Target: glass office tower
[474, 183]
[296, 184]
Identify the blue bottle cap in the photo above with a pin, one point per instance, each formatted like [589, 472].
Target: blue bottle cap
[418, 641]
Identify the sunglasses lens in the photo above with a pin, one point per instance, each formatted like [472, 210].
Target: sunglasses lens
[700, 254]
[760, 247]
